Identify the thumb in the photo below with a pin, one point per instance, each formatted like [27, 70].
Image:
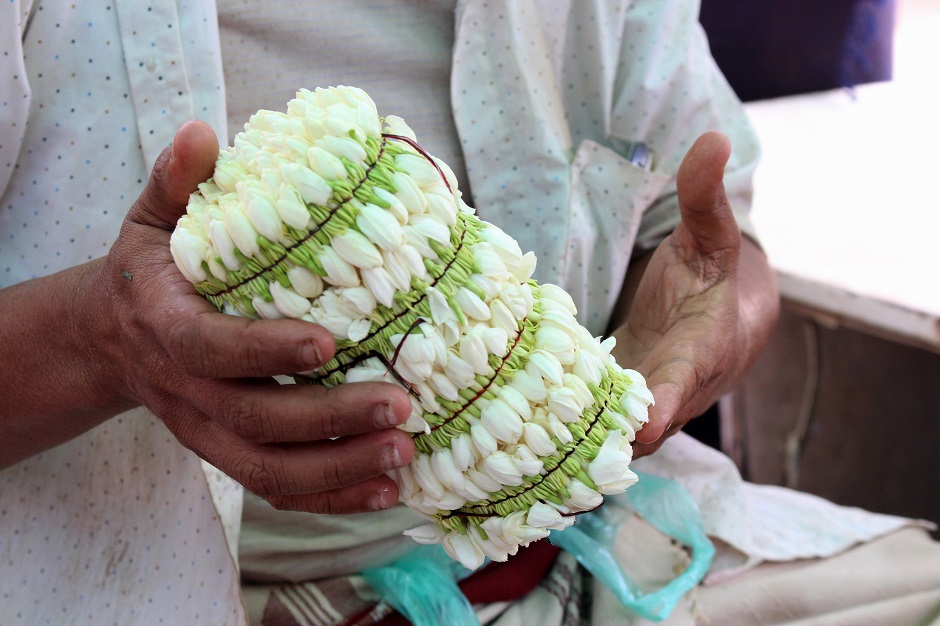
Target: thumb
[707, 222]
[188, 161]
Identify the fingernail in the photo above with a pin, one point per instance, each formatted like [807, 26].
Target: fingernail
[380, 499]
[385, 415]
[310, 353]
[390, 457]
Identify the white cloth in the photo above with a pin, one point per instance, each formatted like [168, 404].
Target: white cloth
[90, 94]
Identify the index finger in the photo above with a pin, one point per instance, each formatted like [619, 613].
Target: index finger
[210, 344]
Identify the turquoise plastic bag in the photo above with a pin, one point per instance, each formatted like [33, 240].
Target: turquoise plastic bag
[422, 586]
[667, 506]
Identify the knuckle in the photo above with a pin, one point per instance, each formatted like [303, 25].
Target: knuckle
[318, 503]
[185, 344]
[331, 475]
[249, 418]
[259, 477]
[249, 352]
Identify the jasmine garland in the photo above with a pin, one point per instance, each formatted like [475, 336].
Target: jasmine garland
[331, 214]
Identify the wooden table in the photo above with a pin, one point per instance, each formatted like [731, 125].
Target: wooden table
[844, 401]
[847, 205]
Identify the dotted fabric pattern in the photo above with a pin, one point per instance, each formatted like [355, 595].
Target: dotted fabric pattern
[118, 526]
[549, 96]
[114, 527]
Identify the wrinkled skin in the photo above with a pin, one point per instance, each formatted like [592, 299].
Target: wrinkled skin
[701, 305]
[205, 374]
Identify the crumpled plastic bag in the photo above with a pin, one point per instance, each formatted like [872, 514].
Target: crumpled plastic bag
[423, 585]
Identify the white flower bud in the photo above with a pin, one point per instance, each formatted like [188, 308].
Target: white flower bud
[442, 208]
[459, 371]
[555, 341]
[338, 271]
[464, 453]
[431, 228]
[487, 260]
[395, 206]
[418, 168]
[526, 461]
[265, 310]
[503, 318]
[442, 462]
[241, 231]
[395, 125]
[260, 210]
[545, 364]
[496, 340]
[540, 515]
[188, 251]
[343, 147]
[291, 208]
[529, 385]
[583, 395]
[222, 243]
[380, 227]
[482, 480]
[471, 304]
[610, 470]
[483, 439]
[305, 282]
[581, 497]
[444, 386]
[517, 401]
[516, 531]
[473, 351]
[463, 549]
[354, 248]
[500, 467]
[287, 301]
[228, 172]
[312, 187]
[526, 267]
[424, 474]
[588, 367]
[326, 164]
[563, 403]
[379, 282]
[537, 439]
[409, 193]
[559, 295]
[505, 246]
[489, 287]
[502, 422]
[426, 534]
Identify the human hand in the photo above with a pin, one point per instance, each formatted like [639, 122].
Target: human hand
[207, 375]
[693, 328]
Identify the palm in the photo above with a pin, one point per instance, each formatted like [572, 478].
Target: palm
[683, 321]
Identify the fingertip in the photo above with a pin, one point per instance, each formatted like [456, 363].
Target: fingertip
[405, 446]
[316, 348]
[660, 416]
[193, 154]
[702, 170]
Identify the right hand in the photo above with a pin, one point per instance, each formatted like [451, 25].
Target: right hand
[207, 375]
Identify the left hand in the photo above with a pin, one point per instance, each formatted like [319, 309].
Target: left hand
[690, 329]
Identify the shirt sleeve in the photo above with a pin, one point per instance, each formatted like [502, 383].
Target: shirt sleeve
[670, 91]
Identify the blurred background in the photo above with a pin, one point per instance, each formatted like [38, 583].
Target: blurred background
[845, 400]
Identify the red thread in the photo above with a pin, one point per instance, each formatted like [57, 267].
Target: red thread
[306, 237]
[488, 384]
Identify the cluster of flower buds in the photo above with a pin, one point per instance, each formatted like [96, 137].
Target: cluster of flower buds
[329, 213]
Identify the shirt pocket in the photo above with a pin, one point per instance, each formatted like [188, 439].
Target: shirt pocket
[608, 197]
